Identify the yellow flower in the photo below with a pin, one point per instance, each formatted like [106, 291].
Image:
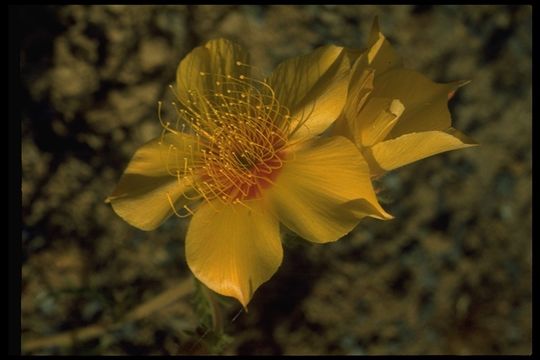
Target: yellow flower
[244, 156]
[394, 115]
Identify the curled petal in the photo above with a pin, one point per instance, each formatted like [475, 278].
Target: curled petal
[376, 120]
[405, 149]
[425, 101]
[380, 54]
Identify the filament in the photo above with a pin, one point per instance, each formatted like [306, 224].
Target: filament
[235, 135]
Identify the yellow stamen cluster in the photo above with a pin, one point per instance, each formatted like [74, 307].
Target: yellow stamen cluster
[241, 132]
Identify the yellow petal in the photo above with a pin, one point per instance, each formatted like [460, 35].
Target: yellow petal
[146, 202]
[425, 101]
[372, 63]
[381, 56]
[163, 156]
[405, 149]
[359, 89]
[323, 190]
[205, 71]
[360, 86]
[376, 120]
[233, 249]
[149, 187]
[313, 87]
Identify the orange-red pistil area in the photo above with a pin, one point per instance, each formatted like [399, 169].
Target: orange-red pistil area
[240, 172]
[240, 134]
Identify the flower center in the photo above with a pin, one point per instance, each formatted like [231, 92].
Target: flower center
[241, 134]
[242, 167]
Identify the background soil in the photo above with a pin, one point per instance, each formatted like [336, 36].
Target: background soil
[450, 275]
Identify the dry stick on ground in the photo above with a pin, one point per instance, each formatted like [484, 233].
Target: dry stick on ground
[71, 337]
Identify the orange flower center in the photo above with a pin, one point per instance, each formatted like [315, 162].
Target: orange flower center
[242, 169]
[241, 134]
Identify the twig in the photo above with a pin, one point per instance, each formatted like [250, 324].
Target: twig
[71, 337]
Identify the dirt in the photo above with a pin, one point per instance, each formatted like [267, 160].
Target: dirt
[451, 274]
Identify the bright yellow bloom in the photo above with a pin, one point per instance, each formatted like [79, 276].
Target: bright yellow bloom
[394, 115]
[245, 155]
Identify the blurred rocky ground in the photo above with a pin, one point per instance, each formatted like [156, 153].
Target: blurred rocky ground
[450, 275]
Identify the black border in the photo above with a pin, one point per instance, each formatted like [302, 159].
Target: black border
[14, 184]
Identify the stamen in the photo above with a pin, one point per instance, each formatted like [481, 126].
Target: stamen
[240, 132]
[174, 209]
